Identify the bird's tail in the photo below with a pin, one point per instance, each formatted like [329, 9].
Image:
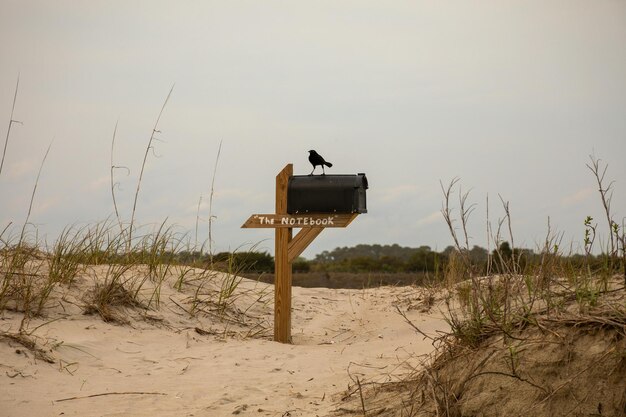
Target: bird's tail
[328, 164]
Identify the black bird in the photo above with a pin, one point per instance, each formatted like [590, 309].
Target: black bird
[316, 159]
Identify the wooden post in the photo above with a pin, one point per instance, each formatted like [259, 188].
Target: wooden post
[282, 264]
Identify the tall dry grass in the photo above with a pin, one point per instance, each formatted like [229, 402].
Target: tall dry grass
[501, 314]
[132, 261]
[513, 305]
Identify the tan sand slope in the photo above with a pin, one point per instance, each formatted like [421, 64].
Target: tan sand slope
[172, 364]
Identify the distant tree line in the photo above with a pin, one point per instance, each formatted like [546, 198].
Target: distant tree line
[253, 262]
[393, 259]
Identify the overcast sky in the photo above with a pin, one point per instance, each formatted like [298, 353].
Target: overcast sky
[510, 96]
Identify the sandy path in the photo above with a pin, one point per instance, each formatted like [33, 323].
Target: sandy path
[337, 335]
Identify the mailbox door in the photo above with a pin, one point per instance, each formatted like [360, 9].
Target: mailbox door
[326, 194]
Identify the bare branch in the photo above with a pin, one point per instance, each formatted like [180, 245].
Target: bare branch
[447, 211]
[113, 167]
[606, 195]
[11, 121]
[211, 217]
[143, 165]
[32, 197]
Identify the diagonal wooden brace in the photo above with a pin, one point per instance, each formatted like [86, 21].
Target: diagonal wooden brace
[301, 241]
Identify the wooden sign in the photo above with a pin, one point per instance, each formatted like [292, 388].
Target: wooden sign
[298, 220]
[288, 247]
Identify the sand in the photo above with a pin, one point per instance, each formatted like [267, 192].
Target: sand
[167, 363]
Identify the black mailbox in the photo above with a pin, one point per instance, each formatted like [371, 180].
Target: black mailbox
[326, 194]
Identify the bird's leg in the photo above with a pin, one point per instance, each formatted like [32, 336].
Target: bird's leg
[323, 170]
[313, 170]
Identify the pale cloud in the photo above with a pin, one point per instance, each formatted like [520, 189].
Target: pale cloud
[241, 197]
[229, 205]
[99, 183]
[41, 207]
[432, 218]
[20, 169]
[578, 197]
[399, 192]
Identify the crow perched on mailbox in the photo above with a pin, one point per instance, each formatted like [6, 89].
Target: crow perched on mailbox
[316, 159]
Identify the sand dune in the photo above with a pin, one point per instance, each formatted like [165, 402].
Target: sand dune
[168, 363]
